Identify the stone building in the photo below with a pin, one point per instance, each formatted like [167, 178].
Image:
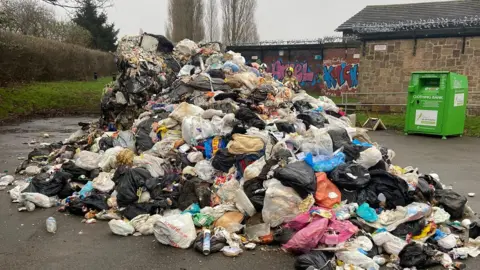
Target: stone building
[399, 39]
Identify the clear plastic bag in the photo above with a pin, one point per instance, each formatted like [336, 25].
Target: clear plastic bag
[254, 169]
[151, 163]
[87, 160]
[357, 258]
[195, 128]
[281, 204]
[184, 109]
[204, 170]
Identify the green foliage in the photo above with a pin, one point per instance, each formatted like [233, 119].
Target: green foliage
[104, 35]
[63, 96]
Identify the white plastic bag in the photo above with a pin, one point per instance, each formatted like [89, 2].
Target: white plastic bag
[281, 203]
[204, 170]
[195, 128]
[103, 182]
[33, 170]
[177, 230]
[369, 157]
[210, 113]
[87, 160]
[108, 160]
[390, 243]
[253, 170]
[120, 227]
[184, 109]
[151, 163]
[17, 190]
[144, 223]
[186, 47]
[448, 242]
[38, 199]
[5, 181]
[195, 157]
[120, 98]
[163, 147]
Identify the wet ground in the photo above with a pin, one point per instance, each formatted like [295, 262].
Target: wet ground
[25, 244]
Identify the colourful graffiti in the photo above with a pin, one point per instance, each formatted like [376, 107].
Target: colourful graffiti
[340, 77]
[302, 71]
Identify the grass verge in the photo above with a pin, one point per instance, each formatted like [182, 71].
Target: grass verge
[51, 98]
[397, 122]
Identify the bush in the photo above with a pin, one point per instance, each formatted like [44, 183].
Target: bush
[26, 59]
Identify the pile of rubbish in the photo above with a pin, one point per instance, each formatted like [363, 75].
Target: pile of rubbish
[202, 150]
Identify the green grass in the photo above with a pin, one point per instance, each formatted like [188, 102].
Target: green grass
[51, 97]
[397, 122]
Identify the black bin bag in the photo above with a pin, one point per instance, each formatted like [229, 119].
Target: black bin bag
[299, 176]
[417, 255]
[127, 181]
[350, 176]
[316, 259]
[451, 201]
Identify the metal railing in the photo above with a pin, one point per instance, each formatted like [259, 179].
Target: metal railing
[349, 99]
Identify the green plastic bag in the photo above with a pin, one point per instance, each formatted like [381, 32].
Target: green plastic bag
[203, 220]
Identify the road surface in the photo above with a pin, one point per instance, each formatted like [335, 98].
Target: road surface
[25, 244]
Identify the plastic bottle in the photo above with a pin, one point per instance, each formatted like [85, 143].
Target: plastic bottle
[51, 225]
[206, 242]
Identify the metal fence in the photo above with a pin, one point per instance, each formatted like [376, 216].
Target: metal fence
[366, 101]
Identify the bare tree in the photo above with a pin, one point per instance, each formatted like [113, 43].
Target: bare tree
[26, 17]
[212, 30]
[75, 4]
[30, 17]
[185, 20]
[239, 21]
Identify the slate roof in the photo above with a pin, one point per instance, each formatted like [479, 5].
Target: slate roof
[418, 11]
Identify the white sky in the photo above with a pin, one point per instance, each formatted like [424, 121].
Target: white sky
[276, 19]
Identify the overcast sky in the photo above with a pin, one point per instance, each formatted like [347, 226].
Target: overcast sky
[276, 19]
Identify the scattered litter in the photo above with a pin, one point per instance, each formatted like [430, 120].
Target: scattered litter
[192, 139]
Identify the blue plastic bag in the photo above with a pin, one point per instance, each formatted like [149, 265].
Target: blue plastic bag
[367, 213]
[192, 209]
[86, 190]
[230, 65]
[357, 142]
[322, 163]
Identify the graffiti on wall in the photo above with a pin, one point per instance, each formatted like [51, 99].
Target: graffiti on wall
[302, 72]
[334, 76]
[340, 77]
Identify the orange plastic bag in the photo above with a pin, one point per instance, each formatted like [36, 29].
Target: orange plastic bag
[327, 194]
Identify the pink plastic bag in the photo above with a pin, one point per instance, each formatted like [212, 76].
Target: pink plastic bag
[307, 238]
[301, 221]
[338, 232]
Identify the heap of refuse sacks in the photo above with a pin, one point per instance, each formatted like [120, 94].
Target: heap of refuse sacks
[199, 149]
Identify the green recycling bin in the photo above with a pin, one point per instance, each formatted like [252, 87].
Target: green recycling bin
[436, 103]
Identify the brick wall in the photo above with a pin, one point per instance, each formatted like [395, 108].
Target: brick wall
[387, 65]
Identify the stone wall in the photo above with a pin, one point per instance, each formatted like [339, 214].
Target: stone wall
[387, 65]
